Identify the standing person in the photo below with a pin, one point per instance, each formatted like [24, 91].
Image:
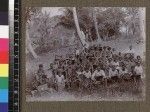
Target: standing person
[55, 67]
[138, 74]
[131, 51]
[109, 52]
[77, 53]
[60, 81]
[87, 79]
[104, 52]
[120, 56]
[41, 77]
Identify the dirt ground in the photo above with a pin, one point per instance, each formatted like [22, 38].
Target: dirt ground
[127, 93]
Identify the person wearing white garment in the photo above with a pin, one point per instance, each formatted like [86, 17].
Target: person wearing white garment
[60, 80]
[99, 73]
[113, 74]
[138, 70]
[87, 74]
[115, 63]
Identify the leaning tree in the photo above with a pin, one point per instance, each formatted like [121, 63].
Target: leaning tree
[29, 15]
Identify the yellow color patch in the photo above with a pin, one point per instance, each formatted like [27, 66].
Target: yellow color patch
[4, 70]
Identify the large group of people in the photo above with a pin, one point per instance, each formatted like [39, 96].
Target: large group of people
[94, 65]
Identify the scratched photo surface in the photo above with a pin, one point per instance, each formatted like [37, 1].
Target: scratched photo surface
[85, 53]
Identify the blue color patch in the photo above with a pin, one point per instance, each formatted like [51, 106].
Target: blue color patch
[3, 107]
[3, 95]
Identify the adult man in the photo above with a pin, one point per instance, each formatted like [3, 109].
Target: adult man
[98, 74]
[115, 64]
[113, 74]
[87, 74]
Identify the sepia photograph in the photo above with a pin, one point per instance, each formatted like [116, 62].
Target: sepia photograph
[85, 53]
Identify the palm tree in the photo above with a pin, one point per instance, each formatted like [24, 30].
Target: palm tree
[95, 24]
[77, 25]
[29, 45]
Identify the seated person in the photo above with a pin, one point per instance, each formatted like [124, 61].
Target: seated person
[113, 73]
[79, 71]
[87, 74]
[120, 56]
[98, 74]
[138, 71]
[109, 52]
[115, 63]
[123, 72]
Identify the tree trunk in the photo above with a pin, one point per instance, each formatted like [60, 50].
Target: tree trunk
[29, 46]
[96, 26]
[77, 25]
[142, 23]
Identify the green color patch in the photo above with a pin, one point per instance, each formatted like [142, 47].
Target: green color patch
[3, 82]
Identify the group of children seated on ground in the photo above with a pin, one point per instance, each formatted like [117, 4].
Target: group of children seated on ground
[87, 66]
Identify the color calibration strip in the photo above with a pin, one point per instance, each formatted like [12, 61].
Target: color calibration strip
[4, 61]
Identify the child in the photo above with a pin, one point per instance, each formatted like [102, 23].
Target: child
[60, 81]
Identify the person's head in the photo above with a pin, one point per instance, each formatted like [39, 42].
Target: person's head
[40, 66]
[100, 48]
[99, 68]
[138, 64]
[81, 69]
[113, 68]
[110, 60]
[60, 74]
[123, 68]
[51, 65]
[113, 49]
[119, 53]
[130, 47]
[86, 69]
[138, 57]
[104, 48]
[109, 48]
[115, 60]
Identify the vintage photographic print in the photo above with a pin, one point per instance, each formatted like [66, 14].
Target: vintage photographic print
[85, 53]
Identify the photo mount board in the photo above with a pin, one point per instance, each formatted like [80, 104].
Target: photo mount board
[81, 106]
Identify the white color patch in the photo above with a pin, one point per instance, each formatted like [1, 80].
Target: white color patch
[4, 31]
